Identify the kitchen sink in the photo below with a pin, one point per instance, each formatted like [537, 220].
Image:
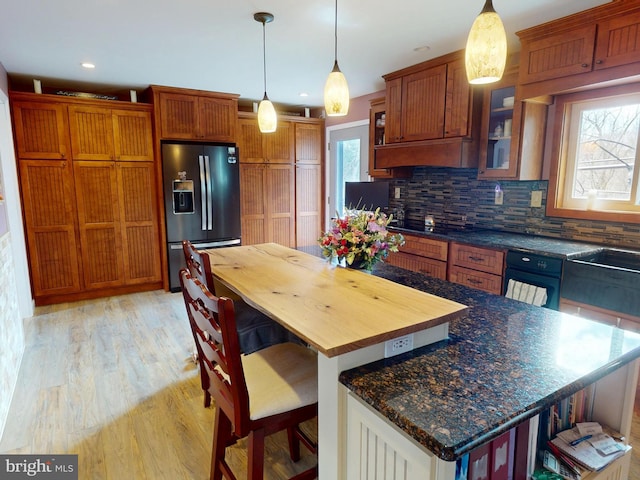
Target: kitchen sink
[608, 278]
[613, 258]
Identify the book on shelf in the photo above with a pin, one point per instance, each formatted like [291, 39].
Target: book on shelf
[589, 445]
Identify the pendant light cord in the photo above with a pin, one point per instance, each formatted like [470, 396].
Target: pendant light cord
[264, 58]
[335, 33]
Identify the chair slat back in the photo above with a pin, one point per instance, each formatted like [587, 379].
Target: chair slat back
[198, 265]
[212, 320]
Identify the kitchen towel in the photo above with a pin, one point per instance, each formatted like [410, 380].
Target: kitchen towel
[527, 293]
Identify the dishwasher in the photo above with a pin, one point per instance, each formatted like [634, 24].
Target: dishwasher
[538, 270]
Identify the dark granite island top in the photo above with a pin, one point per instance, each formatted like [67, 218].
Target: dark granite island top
[503, 363]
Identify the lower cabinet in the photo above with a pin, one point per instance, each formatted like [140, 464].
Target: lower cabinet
[116, 212]
[48, 200]
[423, 255]
[267, 202]
[621, 320]
[476, 267]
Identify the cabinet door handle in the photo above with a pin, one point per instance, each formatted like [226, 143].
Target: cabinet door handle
[584, 65]
[475, 259]
[598, 62]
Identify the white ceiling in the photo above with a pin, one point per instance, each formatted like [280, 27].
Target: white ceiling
[217, 45]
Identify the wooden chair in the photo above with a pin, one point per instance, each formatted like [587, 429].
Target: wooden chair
[255, 329]
[255, 395]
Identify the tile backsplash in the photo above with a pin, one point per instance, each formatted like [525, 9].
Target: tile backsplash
[456, 196]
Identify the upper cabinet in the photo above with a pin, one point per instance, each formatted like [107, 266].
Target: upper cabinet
[512, 135]
[432, 116]
[588, 48]
[196, 115]
[428, 101]
[415, 108]
[257, 147]
[41, 130]
[377, 137]
[99, 133]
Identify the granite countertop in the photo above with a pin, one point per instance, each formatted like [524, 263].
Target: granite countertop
[549, 246]
[504, 362]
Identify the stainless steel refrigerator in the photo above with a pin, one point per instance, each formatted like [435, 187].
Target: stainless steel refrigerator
[201, 198]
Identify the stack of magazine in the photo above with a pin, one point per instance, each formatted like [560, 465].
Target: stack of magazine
[587, 446]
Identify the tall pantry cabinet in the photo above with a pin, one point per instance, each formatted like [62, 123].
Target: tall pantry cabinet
[280, 181]
[88, 192]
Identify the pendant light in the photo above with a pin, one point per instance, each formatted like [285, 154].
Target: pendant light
[486, 53]
[267, 118]
[336, 90]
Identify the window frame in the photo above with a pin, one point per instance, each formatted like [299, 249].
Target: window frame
[559, 151]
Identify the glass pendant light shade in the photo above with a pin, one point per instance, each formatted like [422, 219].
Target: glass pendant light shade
[267, 118]
[486, 52]
[336, 93]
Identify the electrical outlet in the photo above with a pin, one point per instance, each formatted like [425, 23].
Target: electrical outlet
[398, 345]
[397, 192]
[536, 198]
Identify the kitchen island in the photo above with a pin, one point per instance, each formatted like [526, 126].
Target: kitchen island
[346, 315]
[496, 366]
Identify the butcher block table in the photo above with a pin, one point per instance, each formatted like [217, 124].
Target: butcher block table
[345, 314]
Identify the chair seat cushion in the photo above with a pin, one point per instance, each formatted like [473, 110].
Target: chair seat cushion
[280, 378]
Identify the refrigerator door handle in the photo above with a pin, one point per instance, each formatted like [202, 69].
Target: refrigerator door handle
[203, 193]
[210, 193]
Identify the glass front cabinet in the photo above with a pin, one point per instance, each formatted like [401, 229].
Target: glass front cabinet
[512, 137]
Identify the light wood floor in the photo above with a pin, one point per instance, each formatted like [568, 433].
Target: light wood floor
[112, 380]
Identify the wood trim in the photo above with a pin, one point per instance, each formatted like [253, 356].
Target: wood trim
[449, 152]
[558, 167]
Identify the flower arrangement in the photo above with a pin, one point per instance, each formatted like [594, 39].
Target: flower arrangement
[361, 239]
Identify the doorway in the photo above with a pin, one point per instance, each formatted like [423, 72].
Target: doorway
[348, 162]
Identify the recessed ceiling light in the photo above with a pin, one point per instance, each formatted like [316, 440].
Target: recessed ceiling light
[304, 94]
[88, 65]
[423, 48]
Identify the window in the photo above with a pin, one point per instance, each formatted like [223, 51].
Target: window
[596, 173]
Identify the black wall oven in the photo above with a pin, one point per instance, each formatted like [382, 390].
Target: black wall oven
[537, 270]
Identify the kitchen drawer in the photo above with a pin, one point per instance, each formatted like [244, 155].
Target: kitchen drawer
[425, 247]
[483, 259]
[476, 279]
[415, 263]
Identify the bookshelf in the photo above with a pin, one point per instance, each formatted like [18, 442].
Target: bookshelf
[372, 438]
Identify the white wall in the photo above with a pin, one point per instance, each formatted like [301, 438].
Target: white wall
[16, 302]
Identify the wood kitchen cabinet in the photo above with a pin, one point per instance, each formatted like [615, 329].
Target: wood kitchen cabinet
[186, 114]
[415, 109]
[48, 201]
[110, 134]
[423, 255]
[267, 183]
[431, 100]
[512, 134]
[476, 267]
[91, 219]
[377, 135]
[432, 116]
[41, 129]
[309, 182]
[117, 222]
[587, 48]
